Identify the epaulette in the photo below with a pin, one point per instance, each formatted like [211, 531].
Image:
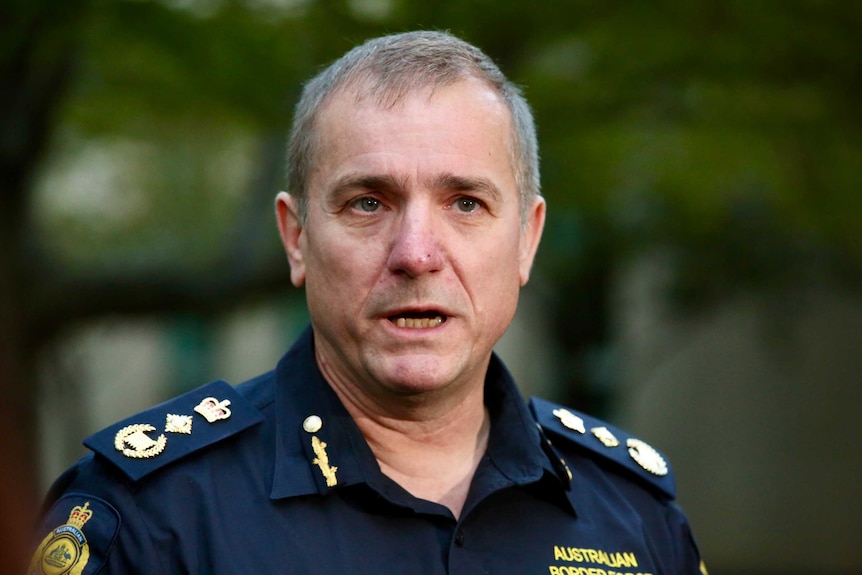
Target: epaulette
[172, 430]
[607, 442]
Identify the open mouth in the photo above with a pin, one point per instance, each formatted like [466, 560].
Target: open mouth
[418, 320]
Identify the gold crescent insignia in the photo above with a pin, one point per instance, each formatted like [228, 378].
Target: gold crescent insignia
[132, 441]
[647, 457]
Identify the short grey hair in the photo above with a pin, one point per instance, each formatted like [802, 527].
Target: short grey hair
[388, 69]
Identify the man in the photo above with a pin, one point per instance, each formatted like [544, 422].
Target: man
[389, 439]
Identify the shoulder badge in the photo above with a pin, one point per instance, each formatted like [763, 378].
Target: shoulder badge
[82, 530]
[606, 441]
[150, 440]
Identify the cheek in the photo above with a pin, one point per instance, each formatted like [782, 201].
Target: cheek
[495, 273]
[339, 264]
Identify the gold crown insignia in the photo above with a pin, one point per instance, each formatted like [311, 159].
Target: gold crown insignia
[80, 515]
[213, 409]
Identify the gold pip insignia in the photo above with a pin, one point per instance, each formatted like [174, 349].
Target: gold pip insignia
[570, 420]
[178, 424]
[647, 457]
[213, 409]
[322, 461]
[133, 442]
[604, 435]
[65, 550]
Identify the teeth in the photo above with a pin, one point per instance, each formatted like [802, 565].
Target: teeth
[418, 322]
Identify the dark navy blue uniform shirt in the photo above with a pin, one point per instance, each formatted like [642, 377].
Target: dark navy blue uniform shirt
[273, 476]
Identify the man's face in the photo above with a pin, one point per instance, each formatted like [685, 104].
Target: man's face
[412, 253]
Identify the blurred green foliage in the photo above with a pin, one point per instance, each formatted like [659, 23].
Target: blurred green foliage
[724, 134]
[658, 121]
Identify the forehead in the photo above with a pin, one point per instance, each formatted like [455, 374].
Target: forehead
[465, 124]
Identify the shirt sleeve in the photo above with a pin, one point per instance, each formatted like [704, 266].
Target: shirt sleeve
[92, 526]
[688, 559]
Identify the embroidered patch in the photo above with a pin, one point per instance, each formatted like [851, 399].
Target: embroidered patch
[83, 539]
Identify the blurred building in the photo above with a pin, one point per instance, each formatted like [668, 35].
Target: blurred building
[756, 401]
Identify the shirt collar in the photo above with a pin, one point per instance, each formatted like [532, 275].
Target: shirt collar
[307, 408]
[518, 453]
[516, 449]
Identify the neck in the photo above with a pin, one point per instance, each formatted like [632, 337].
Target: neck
[429, 449]
[432, 462]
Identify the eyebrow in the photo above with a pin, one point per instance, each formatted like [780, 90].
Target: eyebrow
[352, 182]
[481, 186]
[386, 182]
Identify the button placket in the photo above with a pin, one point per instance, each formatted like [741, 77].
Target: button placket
[459, 537]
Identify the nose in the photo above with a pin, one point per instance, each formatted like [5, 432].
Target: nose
[416, 248]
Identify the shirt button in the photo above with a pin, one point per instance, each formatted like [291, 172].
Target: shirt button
[459, 538]
[312, 424]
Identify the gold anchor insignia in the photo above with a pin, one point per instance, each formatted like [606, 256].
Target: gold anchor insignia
[213, 409]
[140, 445]
[647, 457]
[65, 550]
[570, 420]
[322, 461]
[178, 424]
[604, 435]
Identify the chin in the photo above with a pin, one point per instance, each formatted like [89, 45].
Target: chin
[417, 375]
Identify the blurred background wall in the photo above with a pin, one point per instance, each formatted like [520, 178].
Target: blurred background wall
[698, 283]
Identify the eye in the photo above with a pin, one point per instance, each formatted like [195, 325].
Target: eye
[467, 205]
[366, 204]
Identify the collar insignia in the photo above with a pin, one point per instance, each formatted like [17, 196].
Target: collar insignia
[322, 461]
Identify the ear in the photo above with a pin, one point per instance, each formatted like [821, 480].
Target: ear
[292, 237]
[531, 233]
